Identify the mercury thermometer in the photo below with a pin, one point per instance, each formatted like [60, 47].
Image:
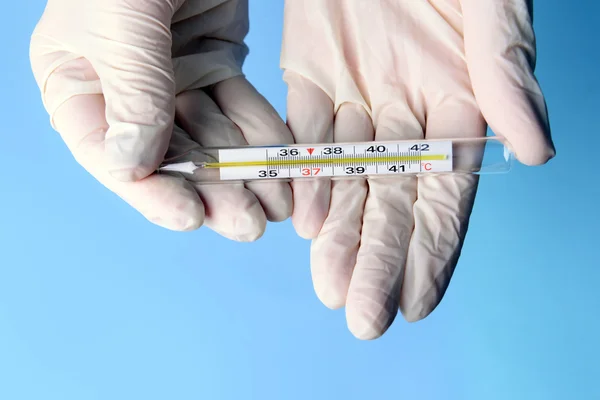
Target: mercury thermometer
[484, 155]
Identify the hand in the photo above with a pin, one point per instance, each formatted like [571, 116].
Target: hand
[380, 70]
[109, 72]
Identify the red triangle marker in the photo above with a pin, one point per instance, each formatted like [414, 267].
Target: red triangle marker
[310, 150]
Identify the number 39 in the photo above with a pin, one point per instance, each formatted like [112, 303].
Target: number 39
[355, 170]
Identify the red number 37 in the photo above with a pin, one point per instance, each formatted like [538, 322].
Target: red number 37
[309, 172]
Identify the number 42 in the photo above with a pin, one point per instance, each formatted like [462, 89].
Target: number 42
[421, 147]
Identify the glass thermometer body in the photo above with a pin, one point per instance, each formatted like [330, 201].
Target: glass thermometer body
[343, 160]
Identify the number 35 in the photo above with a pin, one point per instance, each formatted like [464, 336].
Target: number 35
[264, 174]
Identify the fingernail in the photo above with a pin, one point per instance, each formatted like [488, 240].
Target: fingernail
[247, 228]
[129, 174]
[190, 224]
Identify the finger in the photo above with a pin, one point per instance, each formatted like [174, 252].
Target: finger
[260, 125]
[166, 201]
[373, 295]
[441, 213]
[220, 54]
[500, 52]
[231, 209]
[310, 118]
[333, 251]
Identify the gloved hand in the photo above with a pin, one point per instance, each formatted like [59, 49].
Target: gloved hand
[109, 72]
[389, 70]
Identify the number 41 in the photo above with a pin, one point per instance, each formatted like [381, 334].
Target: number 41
[397, 168]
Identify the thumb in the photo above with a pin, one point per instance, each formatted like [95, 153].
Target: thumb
[500, 52]
[127, 43]
[133, 63]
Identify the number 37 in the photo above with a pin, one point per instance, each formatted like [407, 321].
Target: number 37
[310, 171]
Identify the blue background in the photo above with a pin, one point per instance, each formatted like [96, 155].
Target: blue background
[96, 303]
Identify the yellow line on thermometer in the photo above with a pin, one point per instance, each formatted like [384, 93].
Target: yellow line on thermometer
[327, 161]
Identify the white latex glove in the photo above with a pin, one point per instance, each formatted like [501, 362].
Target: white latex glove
[404, 69]
[109, 72]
